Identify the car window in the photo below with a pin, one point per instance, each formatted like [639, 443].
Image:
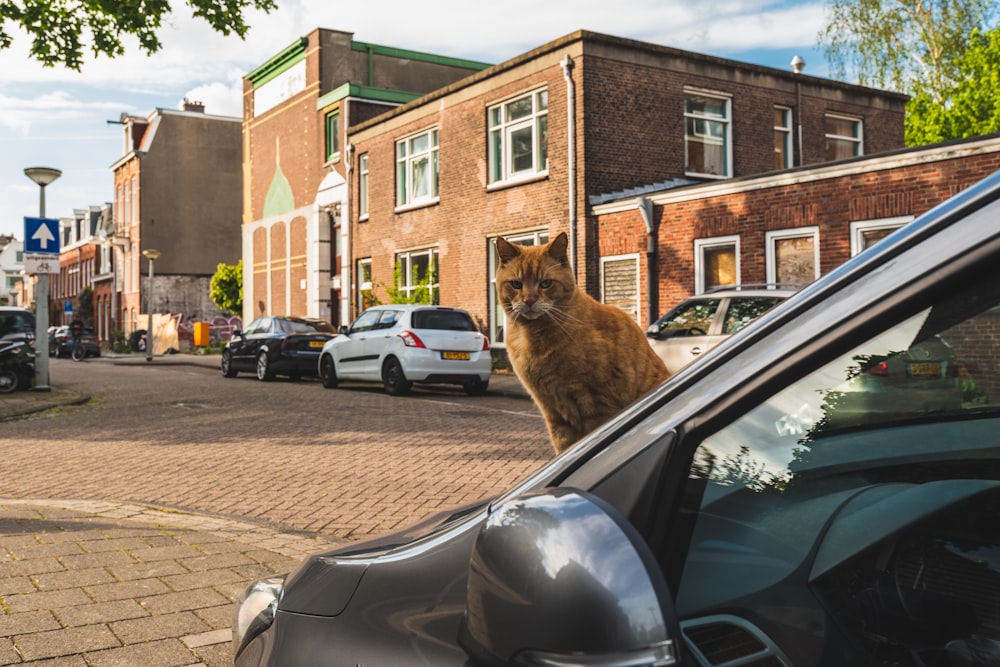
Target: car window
[307, 326]
[388, 319]
[366, 321]
[446, 320]
[252, 327]
[873, 481]
[695, 315]
[743, 310]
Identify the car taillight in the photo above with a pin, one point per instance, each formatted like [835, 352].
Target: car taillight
[411, 339]
[880, 369]
[486, 344]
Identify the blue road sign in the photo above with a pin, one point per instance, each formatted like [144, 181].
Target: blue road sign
[41, 235]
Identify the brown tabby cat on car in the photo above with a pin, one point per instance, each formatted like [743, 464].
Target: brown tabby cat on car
[581, 360]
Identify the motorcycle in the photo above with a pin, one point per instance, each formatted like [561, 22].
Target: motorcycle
[17, 365]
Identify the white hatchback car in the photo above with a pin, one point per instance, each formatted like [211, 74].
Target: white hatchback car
[398, 345]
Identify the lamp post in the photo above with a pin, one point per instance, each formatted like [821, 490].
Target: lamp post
[151, 255]
[42, 176]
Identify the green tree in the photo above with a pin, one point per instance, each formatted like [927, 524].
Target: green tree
[973, 101]
[423, 286]
[226, 288]
[60, 30]
[912, 46]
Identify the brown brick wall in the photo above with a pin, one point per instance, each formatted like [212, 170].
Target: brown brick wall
[831, 204]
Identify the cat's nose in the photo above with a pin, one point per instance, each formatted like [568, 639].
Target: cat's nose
[530, 301]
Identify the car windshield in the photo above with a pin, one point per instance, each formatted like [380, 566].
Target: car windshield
[901, 427]
[449, 320]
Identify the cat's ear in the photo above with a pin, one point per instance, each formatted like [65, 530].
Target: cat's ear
[506, 250]
[557, 249]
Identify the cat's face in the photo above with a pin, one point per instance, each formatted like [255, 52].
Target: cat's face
[534, 281]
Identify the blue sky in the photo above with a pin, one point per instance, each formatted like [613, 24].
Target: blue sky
[53, 117]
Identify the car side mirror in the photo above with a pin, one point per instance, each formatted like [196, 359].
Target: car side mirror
[343, 330]
[236, 333]
[561, 578]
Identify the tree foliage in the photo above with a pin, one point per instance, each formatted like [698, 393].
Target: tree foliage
[972, 106]
[226, 288]
[60, 30]
[423, 286]
[912, 46]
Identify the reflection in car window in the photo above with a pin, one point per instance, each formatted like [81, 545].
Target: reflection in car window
[742, 311]
[306, 326]
[388, 318]
[366, 321]
[694, 315]
[889, 452]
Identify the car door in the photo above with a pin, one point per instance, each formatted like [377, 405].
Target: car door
[353, 360]
[379, 342]
[688, 331]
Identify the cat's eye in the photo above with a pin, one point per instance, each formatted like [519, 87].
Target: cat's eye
[516, 284]
[545, 284]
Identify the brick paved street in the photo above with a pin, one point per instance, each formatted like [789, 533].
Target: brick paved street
[130, 523]
[347, 463]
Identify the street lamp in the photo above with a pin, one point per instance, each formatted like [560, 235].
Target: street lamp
[151, 255]
[42, 176]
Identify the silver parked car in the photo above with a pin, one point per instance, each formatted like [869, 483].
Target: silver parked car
[398, 345]
[701, 322]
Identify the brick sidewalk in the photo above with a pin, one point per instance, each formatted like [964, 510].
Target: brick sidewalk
[89, 583]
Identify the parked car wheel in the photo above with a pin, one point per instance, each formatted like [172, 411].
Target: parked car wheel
[8, 381]
[393, 378]
[476, 387]
[328, 373]
[264, 372]
[227, 364]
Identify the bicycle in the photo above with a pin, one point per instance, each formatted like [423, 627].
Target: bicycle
[79, 351]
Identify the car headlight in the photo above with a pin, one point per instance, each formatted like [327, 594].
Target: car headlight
[255, 610]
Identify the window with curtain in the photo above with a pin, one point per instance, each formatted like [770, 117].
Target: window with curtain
[518, 137]
[707, 135]
[417, 169]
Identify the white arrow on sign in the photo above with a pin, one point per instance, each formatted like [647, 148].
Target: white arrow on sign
[43, 236]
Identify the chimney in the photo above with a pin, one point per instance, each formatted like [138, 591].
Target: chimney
[190, 105]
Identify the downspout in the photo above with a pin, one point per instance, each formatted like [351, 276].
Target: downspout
[652, 284]
[346, 262]
[567, 66]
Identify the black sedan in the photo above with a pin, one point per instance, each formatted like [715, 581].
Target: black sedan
[61, 342]
[272, 346]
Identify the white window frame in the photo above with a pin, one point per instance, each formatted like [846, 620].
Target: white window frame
[785, 133]
[771, 238]
[702, 120]
[634, 258]
[498, 319]
[859, 228]
[363, 186]
[363, 285]
[501, 129]
[405, 261]
[857, 141]
[407, 159]
[700, 245]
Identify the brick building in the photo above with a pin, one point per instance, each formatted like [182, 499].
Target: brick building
[83, 288]
[178, 190]
[791, 226]
[519, 149]
[297, 109]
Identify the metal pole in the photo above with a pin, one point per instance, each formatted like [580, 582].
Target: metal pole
[149, 323]
[42, 317]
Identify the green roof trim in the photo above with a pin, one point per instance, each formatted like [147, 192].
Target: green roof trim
[365, 92]
[417, 55]
[279, 63]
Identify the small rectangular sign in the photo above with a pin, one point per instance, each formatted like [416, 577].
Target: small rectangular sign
[41, 263]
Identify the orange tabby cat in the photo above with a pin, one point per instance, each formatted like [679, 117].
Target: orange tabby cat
[581, 360]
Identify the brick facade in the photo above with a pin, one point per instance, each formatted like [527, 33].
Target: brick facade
[894, 186]
[625, 104]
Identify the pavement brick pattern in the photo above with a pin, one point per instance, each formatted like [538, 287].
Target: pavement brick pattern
[95, 584]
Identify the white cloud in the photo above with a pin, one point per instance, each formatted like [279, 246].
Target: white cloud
[57, 117]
